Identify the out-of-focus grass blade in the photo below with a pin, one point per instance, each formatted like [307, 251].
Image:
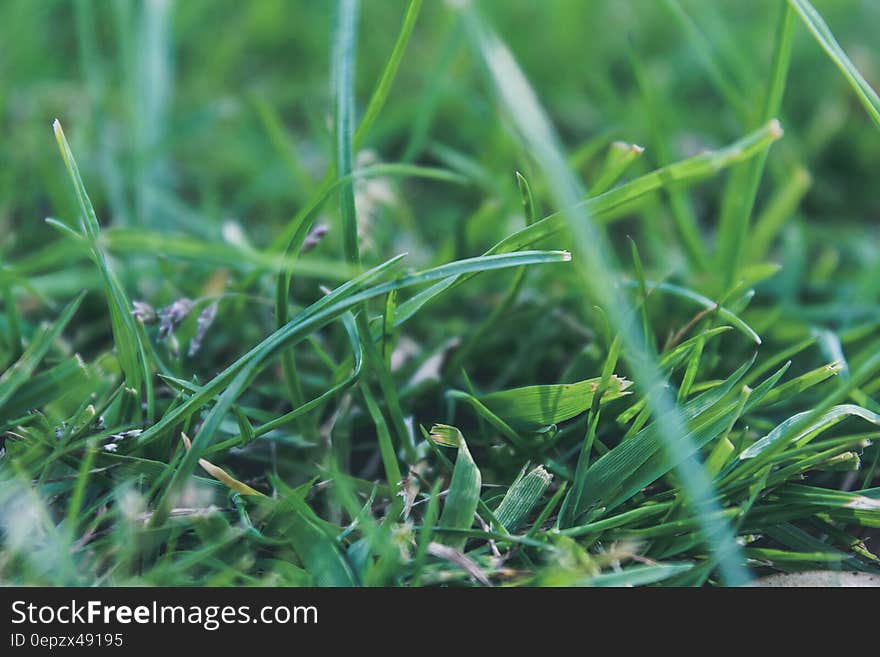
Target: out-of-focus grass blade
[742, 187]
[776, 212]
[813, 20]
[621, 156]
[290, 239]
[638, 575]
[141, 242]
[389, 73]
[16, 375]
[726, 86]
[656, 110]
[47, 387]
[534, 407]
[464, 487]
[528, 201]
[522, 497]
[291, 518]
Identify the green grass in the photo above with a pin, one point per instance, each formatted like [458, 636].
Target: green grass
[569, 294]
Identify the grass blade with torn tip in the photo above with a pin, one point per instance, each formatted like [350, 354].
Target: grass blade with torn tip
[464, 487]
[522, 497]
[803, 382]
[533, 407]
[621, 156]
[626, 462]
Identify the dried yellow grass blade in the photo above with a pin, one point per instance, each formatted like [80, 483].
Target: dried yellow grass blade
[221, 475]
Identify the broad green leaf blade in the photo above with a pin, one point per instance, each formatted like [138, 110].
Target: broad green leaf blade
[534, 407]
[464, 488]
[619, 473]
[522, 497]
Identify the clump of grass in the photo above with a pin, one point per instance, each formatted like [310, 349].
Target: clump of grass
[694, 405]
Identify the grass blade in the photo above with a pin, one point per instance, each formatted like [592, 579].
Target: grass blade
[19, 373]
[464, 487]
[521, 498]
[820, 31]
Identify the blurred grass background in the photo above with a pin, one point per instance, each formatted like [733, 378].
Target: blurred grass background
[191, 117]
